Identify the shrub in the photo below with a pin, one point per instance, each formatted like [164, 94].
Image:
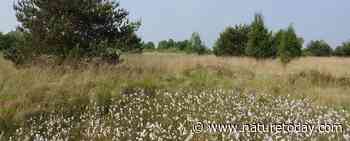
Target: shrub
[233, 41]
[318, 48]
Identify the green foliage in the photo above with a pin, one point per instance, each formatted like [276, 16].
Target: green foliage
[172, 46]
[289, 45]
[343, 50]
[68, 27]
[233, 41]
[14, 47]
[1, 42]
[277, 38]
[259, 43]
[182, 45]
[148, 46]
[131, 44]
[166, 44]
[318, 48]
[196, 45]
[110, 54]
[8, 40]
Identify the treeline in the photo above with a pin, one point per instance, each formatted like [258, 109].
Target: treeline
[90, 29]
[192, 46]
[257, 41]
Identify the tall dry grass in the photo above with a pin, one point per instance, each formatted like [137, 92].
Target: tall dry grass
[269, 74]
[37, 88]
[181, 62]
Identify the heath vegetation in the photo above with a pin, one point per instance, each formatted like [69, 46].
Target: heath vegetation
[77, 70]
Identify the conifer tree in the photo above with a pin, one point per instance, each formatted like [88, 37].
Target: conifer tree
[259, 43]
[290, 46]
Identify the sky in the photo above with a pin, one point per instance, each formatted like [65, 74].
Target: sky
[327, 20]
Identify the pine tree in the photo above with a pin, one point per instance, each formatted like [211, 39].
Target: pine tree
[233, 41]
[290, 46]
[196, 45]
[259, 43]
[61, 27]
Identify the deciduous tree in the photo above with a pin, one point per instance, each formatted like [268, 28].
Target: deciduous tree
[343, 50]
[318, 48]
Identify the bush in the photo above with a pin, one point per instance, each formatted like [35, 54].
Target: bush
[318, 48]
[233, 41]
[343, 50]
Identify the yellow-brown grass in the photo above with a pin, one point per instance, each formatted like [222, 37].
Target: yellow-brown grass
[181, 62]
[28, 89]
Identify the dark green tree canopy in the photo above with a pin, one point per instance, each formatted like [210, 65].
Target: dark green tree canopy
[6, 41]
[343, 50]
[233, 41]
[165, 44]
[10, 40]
[182, 45]
[318, 48]
[148, 46]
[277, 38]
[174, 46]
[259, 43]
[14, 47]
[63, 25]
[289, 45]
[193, 45]
[196, 45]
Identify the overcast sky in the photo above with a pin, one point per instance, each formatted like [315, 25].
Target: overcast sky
[163, 19]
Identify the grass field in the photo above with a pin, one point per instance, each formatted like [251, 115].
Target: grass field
[203, 88]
